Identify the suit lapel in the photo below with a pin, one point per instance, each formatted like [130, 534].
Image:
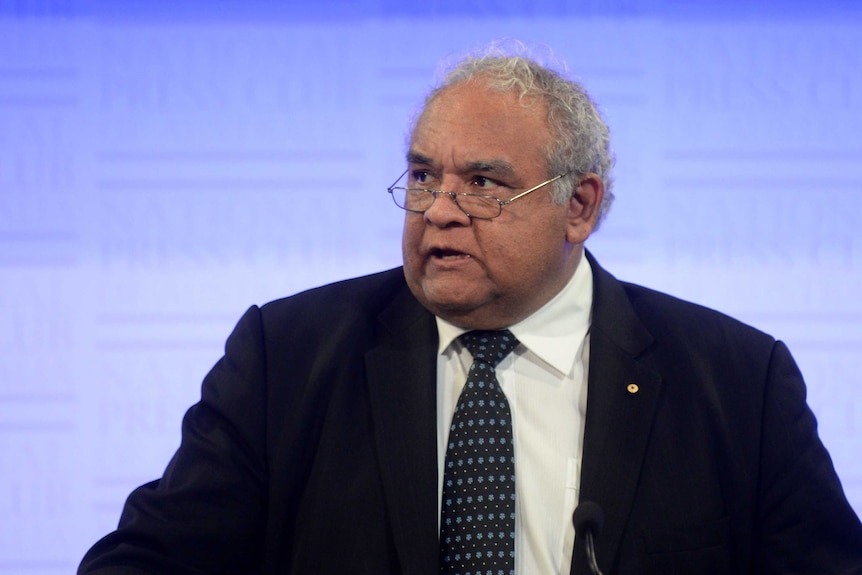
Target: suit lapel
[621, 401]
[401, 375]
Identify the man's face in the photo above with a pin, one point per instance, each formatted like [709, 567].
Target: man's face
[487, 274]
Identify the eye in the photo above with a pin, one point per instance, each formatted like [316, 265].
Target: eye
[421, 178]
[485, 184]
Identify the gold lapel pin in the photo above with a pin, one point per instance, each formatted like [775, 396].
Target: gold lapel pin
[632, 388]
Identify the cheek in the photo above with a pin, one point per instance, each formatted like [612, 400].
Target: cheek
[410, 232]
[411, 240]
[532, 252]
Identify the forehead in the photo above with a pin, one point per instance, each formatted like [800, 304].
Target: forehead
[470, 121]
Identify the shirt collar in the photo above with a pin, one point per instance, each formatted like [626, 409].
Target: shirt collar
[556, 331]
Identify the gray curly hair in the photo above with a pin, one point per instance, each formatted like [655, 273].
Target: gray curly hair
[581, 138]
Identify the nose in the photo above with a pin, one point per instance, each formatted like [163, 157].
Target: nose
[445, 212]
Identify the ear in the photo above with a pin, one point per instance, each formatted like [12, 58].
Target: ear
[584, 208]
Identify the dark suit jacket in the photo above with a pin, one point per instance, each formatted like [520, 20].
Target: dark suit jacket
[313, 448]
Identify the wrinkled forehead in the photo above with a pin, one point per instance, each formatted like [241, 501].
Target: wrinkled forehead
[482, 93]
[470, 125]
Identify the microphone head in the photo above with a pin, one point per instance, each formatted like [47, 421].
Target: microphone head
[588, 516]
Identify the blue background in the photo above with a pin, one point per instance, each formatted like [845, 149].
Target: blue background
[163, 165]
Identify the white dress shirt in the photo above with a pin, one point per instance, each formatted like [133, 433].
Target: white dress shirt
[545, 382]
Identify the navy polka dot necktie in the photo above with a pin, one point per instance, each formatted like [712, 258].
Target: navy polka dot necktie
[477, 522]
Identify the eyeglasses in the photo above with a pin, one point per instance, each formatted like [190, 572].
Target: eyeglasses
[420, 200]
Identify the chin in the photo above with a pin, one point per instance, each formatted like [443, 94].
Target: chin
[448, 307]
[454, 295]
[465, 313]
[455, 302]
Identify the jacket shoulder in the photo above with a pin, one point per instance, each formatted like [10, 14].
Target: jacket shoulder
[362, 295]
[349, 312]
[668, 311]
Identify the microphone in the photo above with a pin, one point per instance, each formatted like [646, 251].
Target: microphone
[589, 519]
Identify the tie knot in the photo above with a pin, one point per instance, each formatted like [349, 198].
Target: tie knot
[489, 346]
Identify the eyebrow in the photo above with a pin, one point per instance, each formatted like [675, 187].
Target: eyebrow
[491, 166]
[484, 166]
[417, 158]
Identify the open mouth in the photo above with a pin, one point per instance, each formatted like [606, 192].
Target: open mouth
[447, 254]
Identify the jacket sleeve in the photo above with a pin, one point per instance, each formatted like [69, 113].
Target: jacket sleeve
[804, 522]
[206, 514]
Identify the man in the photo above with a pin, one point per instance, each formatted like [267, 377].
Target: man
[327, 438]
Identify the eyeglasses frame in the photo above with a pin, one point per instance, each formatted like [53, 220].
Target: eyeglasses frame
[454, 195]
